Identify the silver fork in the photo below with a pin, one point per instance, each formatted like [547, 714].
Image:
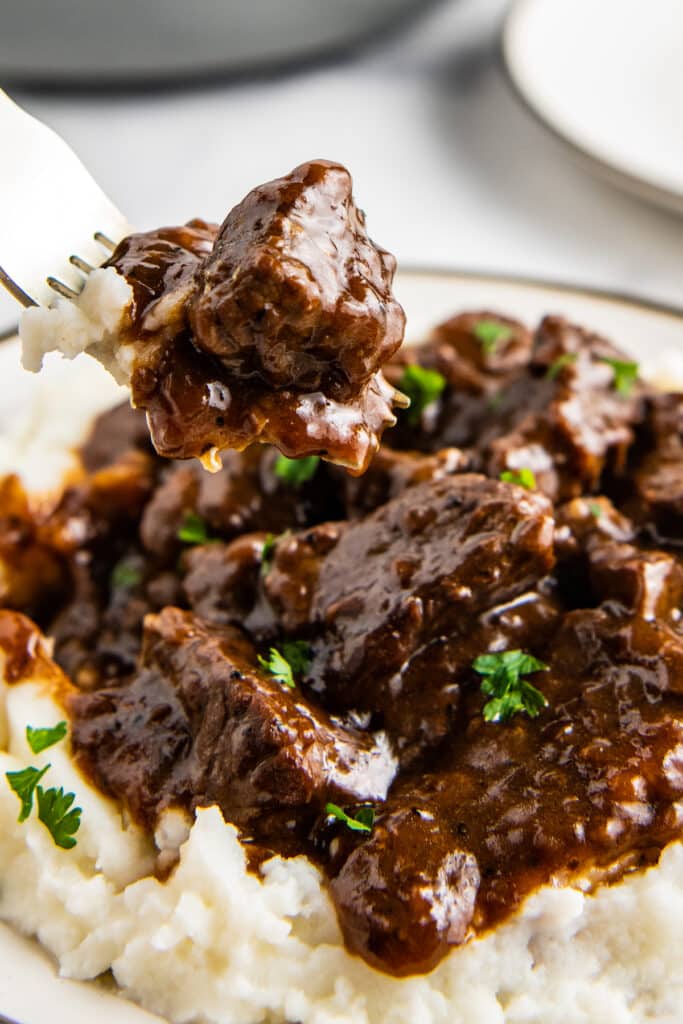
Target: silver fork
[46, 194]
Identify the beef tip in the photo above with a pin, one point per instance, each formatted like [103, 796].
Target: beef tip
[245, 495]
[221, 581]
[113, 434]
[390, 472]
[585, 426]
[32, 575]
[600, 560]
[160, 267]
[295, 292]
[423, 565]
[400, 912]
[658, 478]
[225, 732]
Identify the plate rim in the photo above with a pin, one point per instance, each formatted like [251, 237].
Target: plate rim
[614, 174]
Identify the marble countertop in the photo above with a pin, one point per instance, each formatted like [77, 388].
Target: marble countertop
[451, 169]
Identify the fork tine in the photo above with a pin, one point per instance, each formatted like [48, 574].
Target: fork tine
[61, 288]
[81, 264]
[15, 291]
[104, 240]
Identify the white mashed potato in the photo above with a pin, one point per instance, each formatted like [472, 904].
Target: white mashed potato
[219, 945]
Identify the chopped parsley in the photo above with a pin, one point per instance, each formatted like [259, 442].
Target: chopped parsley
[293, 659]
[595, 509]
[490, 334]
[625, 374]
[41, 739]
[125, 575]
[363, 821]
[24, 783]
[296, 472]
[509, 693]
[60, 819]
[558, 365]
[522, 477]
[193, 530]
[422, 386]
[267, 553]
[54, 805]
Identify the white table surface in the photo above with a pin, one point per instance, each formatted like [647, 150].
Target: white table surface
[450, 168]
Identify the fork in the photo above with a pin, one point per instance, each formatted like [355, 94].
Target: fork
[47, 196]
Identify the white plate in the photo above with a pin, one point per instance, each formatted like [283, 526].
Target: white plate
[607, 76]
[30, 990]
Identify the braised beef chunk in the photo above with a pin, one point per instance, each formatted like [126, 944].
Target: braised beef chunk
[273, 328]
[658, 478]
[446, 688]
[567, 414]
[230, 734]
[420, 566]
[294, 292]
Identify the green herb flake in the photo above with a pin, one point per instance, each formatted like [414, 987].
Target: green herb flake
[41, 739]
[278, 667]
[503, 684]
[558, 365]
[363, 821]
[60, 819]
[422, 386]
[125, 575]
[24, 783]
[595, 509]
[522, 477]
[267, 552]
[296, 472]
[193, 530]
[490, 334]
[298, 654]
[625, 375]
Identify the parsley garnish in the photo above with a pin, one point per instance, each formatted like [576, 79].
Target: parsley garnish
[24, 783]
[625, 374]
[522, 477]
[283, 665]
[503, 683]
[298, 654]
[363, 822]
[559, 364]
[267, 553]
[125, 575]
[595, 509]
[56, 813]
[193, 530]
[490, 334]
[296, 472]
[41, 739]
[422, 386]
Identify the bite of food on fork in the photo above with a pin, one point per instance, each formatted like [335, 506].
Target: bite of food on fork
[273, 327]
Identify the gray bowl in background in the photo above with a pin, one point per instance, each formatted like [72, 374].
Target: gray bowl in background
[123, 41]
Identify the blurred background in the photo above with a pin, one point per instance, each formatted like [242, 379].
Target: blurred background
[178, 109]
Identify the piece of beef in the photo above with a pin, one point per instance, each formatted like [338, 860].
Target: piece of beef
[657, 503]
[201, 723]
[425, 565]
[554, 409]
[113, 434]
[295, 292]
[244, 496]
[589, 788]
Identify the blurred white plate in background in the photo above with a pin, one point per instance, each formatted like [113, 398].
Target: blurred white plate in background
[607, 76]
